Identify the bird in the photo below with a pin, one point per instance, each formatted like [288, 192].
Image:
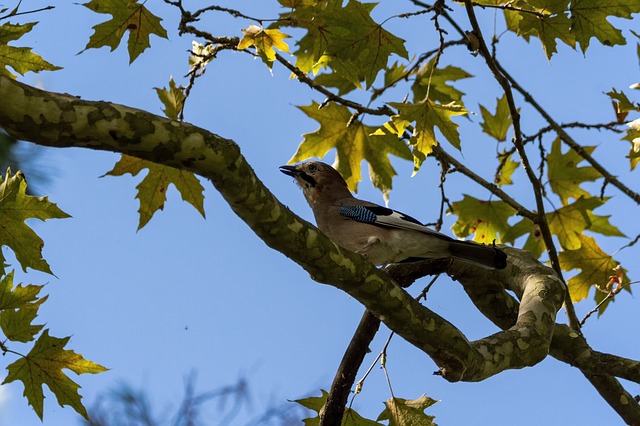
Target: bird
[382, 235]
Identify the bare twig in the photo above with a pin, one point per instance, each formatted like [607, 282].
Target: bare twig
[303, 78]
[15, 12]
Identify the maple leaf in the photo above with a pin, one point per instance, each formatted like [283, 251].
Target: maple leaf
[496, 125]
[317, 403]
[567, 223]
[435, 81]
[534, 243]
[336, 80]
[623, 102]
[345, 38]
[564, 174]
[570, 221]
[506, 169]
[21, 59]
[127, 15]
[594, 266]
[358, 42]
[43, 365]
[353, 144]
[426, 115]
[152, 191]
[405, 412]
[18, 308]
[547, 20]
[172, 99]
[265, 42]
[589, 19]
[15, 207]
[487, 219]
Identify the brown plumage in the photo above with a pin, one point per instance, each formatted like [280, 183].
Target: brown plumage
[378, 233]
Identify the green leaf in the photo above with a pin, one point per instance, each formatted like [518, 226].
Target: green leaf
[435, 81]
[534, 243]
[487, 219]
[496, 125]
[358, 42]
[545, 19]
[426, 116]
[394, 73]
[334, 79]
[345, 38]
[353, 144]
[408, 412]
[21, 59]
[265, 42]
[127, 15]
[172, 99]
[623, 102]
[317, 403]
[595, 268]
[565, 177]
[589, 19]
[16, 324]
[15, 207]
[569, 222]
[43, 365]
[506, 169]
[18, 308]
[152, 191]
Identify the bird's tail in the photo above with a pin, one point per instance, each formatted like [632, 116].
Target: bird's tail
[478, 254]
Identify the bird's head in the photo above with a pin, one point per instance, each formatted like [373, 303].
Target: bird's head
[318, 181]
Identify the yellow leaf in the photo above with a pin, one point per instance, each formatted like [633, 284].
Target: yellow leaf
[595, 268]
[43, 365]
[265, 41]
[152, 191]
[353, 142]
[487, 219]
[16, 207]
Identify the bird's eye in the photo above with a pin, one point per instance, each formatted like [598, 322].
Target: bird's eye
[312, 168]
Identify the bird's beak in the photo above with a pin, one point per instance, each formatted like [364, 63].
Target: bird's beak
[290, 170]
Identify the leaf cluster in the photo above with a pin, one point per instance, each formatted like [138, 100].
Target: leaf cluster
[19, 304]
[398, 412]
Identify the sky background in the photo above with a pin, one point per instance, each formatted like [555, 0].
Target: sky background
[187, 295]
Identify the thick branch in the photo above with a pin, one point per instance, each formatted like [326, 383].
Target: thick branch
[60, 120]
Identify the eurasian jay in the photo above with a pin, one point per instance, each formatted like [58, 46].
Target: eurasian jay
[380, 234]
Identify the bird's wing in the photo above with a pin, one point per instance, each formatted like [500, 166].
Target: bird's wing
[383, 216]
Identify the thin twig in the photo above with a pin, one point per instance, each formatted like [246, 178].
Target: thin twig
[439, 153]
[15, 12]
[332, 97]
[611, 126]
[509, 7]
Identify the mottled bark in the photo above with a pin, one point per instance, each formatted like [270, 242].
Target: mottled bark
[60, 120]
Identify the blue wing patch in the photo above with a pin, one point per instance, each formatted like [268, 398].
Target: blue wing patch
[358, 213]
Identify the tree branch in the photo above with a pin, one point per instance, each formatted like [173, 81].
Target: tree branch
[60, 120]
[568, 139]
[541, 219]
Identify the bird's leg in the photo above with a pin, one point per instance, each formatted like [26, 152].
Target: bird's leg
[363, 251]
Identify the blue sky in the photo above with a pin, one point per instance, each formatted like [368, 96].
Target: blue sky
[186, 294]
